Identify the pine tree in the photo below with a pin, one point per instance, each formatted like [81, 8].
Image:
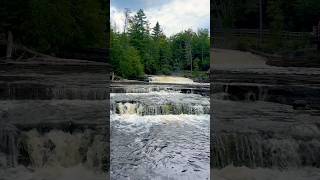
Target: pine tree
[138, 31]
[157, 32]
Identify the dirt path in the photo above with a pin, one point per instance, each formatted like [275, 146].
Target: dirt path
[236, 59]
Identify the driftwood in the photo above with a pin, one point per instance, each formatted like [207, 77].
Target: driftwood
[12, 47]
[34, 53]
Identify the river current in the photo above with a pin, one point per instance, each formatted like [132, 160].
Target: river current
[159, 133]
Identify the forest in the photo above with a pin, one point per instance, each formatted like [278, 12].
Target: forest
[281, 27]
[293, 15]
[51, 27]
[141, 49]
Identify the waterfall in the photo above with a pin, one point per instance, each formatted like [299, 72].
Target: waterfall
[60, 149]
[8, 140]
[159, 129]
[252, 150]
[170, 79]
[142, 109]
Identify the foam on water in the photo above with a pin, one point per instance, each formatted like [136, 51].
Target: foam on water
[150, 146]
[160, 135]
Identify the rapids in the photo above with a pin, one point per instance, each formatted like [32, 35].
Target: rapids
[159, 134]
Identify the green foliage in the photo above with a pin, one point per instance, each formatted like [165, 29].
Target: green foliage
[125, 59]
[130, 65]
[155, 53]
[298, 15]
[51, 26]
[157, 32]
[275, 15]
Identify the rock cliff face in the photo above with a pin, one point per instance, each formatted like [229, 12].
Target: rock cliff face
[54, 113]
[263, 116]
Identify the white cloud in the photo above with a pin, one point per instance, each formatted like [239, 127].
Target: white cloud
[117, 18]
[175, 16]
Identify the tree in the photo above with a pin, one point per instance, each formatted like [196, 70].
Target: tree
[155, 53]
[201, 48]
[125, 59]
[130, 65]
[277, 21]
[140, 39]
[53, 26]
[165, 56]
[157, 32]
[10, 15]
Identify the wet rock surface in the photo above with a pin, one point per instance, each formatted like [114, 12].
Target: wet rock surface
[265, 119]
[58, 111]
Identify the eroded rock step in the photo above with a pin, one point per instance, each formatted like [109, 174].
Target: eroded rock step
[38, 132]
[290, 86]
[159, 103]
[264, 134]
[308, 96]
[146, 88]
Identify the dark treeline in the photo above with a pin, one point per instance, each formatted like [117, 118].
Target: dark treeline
[141, 49]
[277, 17]
[51, 26]
[293, 15]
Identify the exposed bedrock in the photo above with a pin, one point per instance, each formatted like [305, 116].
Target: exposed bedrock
[297, 96]
[255, 150]
[125, 87]
[292, 86]
[161, 109]
[45, 92]
[264, 134]
[264, 116]
[159, 104]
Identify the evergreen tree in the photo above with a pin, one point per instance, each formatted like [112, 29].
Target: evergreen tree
[51, 26]
[157, 32]
[141, 40]
[155, 53]
[276, 16]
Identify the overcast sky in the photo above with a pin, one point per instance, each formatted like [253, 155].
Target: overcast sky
[173, 15]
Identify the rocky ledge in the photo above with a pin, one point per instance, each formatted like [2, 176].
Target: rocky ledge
[54, 113]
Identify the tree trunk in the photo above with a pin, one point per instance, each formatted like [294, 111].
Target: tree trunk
[260, 24]
[9, 45]
[112, 76]
[202, 53]
[190, 56]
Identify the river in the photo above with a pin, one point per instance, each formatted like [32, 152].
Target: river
[160, 130]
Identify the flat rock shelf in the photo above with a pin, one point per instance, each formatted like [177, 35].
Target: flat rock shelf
[264, 119]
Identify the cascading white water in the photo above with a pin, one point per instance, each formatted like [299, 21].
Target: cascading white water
[159, 135]
[170, 79]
